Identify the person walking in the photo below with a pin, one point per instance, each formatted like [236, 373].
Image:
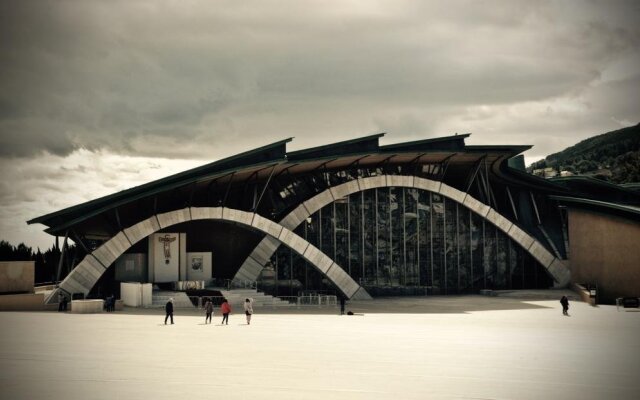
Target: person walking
[208, 309]
[168, 308]
[111, 300]
[225, 308]
[248, 309]
[62, 301]
[565, 305]
[343, 302]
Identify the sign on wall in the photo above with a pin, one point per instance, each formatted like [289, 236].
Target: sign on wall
[199, 266]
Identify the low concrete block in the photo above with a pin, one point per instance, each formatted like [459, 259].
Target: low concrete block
[87, 306]
[16, 276]
[22, 302]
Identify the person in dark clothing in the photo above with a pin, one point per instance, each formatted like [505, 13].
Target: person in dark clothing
[565, 305]
[208, 309]
[342, 304]
[62, 301]
[168, 308]
[110, 303]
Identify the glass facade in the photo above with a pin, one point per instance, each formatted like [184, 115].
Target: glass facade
[404, 241]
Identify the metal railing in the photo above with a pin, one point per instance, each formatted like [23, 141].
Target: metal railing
[198, 302]
[241, 284]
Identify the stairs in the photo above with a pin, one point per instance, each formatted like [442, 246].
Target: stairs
[236, 298]
[180, 299]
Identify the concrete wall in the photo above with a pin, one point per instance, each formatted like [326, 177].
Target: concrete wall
[22, 302]
[87, 306]
[17, 276]
[605, 250]
[134, 294]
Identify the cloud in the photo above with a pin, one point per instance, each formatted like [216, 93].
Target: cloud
[48, 183]
[201, 80]
[135, 78]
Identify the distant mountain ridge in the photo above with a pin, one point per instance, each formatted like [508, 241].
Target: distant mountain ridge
[612, 156]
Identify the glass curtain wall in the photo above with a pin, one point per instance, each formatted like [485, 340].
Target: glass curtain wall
[405, 241]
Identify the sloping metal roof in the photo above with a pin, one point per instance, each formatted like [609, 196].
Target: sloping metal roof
[260, 160]
[602, 206]
[270, 153]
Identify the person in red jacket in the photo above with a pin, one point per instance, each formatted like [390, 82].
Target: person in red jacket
[225, 308]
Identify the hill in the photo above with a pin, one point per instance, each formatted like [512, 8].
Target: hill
[612, 156]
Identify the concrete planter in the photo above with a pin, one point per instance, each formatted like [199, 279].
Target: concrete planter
[87, 306]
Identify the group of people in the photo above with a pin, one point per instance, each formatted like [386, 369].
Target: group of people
[110, 303]
[62, 302]
[225, 309]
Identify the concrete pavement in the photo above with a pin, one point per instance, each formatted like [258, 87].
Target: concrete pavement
[417, 348]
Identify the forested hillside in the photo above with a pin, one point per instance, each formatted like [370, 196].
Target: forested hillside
[612, 156]
[46, 263]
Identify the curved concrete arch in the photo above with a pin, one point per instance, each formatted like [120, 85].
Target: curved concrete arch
[85, 275]
[252, 266]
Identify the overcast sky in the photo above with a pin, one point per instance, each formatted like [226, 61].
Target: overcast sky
[100, 96]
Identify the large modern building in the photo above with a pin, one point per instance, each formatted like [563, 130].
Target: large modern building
[357, 219]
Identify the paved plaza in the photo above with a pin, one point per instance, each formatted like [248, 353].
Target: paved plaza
[466, 347]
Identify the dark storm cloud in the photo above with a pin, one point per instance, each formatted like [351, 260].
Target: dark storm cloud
[143, 77]
[98, 96]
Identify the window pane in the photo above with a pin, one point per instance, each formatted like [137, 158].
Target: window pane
[397, 236]
[477, 253]
[384, 245]
[412, 277]
[437, 234]
[355, 236]
[370, 237]
[464, 249]
[451, 246]
[424, 227]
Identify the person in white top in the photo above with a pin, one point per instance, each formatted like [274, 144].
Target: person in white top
[248, 309]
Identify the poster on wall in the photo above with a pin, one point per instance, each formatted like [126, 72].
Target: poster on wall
[166, 256]
[199, 266]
